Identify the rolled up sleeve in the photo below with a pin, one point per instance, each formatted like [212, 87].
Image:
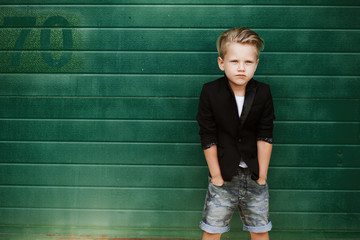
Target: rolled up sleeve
[266, 122]
[206, 121]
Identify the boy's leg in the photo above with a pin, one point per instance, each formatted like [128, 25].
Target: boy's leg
[254, 208]
[220, 204]
[211, 236]
[259, 236]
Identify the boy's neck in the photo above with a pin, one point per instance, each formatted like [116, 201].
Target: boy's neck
[238, 90]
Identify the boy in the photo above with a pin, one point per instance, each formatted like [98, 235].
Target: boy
[236, 116]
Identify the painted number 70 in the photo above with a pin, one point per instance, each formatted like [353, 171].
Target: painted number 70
[44, 39]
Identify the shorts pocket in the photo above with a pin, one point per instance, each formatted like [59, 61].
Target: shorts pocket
[210, 182]
[256, 182]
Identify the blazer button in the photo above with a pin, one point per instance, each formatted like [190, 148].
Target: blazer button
[240, 140]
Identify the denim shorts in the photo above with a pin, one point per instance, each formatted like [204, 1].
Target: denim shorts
[243, 193]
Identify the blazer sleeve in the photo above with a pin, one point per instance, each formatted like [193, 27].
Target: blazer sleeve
[266, 122]
[206, 121]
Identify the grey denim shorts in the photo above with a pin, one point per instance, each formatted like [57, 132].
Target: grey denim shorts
[243, 193]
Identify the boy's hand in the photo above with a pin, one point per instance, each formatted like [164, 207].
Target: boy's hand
[217, 181]
[261, 181]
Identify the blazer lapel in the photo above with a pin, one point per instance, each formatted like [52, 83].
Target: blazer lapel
[249, 99]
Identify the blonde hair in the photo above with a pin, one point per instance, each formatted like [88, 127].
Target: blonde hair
[239, 35]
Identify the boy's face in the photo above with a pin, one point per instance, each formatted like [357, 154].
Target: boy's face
[239, 64]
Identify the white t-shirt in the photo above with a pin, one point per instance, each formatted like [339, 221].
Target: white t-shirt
[240, 104]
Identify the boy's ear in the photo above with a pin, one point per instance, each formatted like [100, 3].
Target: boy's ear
[221, 63]
[257, 62]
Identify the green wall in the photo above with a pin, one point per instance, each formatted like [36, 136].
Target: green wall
[97, 115]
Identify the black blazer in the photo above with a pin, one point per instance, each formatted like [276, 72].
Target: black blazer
[236, 138]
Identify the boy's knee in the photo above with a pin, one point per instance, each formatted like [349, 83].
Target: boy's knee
[211, 236]
[259, 236]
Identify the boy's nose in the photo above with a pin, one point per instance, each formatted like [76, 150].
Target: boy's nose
[241, 67]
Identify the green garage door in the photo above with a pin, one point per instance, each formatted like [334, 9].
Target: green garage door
[98, 100]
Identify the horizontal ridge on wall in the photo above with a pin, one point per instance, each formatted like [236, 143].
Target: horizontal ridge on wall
[147, 176]
[143, 85]
[159, 108]
[189, 16]
[200, 40]
[187, 199]
[175, 63]
[189, 2]
[180, 131]
[186, 154]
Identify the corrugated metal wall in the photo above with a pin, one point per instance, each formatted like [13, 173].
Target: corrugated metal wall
[98, 104]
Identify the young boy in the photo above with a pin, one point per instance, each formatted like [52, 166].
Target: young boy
[236, 116]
